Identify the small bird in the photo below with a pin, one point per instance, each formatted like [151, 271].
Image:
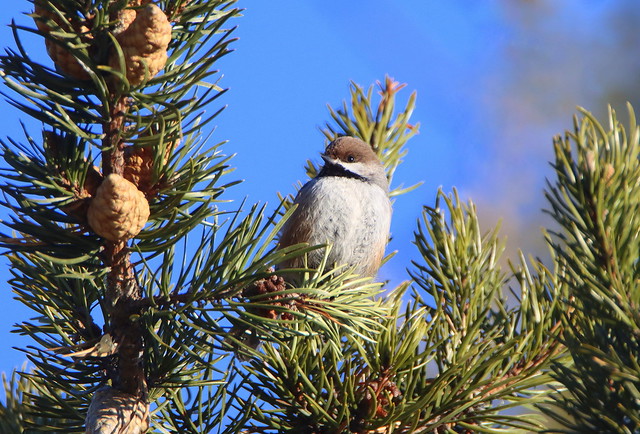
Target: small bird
[346, 206]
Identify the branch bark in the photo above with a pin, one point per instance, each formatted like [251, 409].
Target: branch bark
[122, 290]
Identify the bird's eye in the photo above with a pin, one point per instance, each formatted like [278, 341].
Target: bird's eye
[351, 159]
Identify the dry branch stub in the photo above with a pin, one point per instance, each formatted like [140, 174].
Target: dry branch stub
[115, 412]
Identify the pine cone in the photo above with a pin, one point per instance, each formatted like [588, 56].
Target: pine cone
[138, 167]
[377, 394]
[119, 210]
[271, 285]
[63, 59]
[144, 41]
[115, 412]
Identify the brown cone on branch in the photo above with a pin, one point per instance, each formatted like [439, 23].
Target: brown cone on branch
[61, 56]
[119, 210]
[139, 160]
[144, 35]
[138, 167]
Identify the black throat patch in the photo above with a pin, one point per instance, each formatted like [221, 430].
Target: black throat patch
[337, 170]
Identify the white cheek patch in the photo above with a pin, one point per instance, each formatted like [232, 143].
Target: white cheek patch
[357, 168]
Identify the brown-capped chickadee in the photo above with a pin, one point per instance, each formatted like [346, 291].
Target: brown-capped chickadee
[346, 206]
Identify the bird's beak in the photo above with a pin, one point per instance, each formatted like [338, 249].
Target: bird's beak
[327, 159]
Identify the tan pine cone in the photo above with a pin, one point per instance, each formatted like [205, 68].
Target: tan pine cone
[119, 210]
[138, 160]
[125, 18]
[115, 412]
[144, 41]
[138, 166]
[63, 59]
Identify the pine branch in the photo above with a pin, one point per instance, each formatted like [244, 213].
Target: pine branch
[14, 413]
[484, 351]
[386, 135]
[111, 119]
[595, 201]
[131, 321]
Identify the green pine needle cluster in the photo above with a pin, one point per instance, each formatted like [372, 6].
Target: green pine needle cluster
[596, 201]
[381, 125]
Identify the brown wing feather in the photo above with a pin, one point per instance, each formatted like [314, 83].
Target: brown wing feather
[296, 230]
[376, 260]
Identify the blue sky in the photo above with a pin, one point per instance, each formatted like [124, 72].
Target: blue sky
[495, 79]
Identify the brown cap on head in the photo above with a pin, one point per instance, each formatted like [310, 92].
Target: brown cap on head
[350, 155]
[350, 150]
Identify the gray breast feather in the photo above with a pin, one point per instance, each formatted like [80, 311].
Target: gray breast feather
[351, 215]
